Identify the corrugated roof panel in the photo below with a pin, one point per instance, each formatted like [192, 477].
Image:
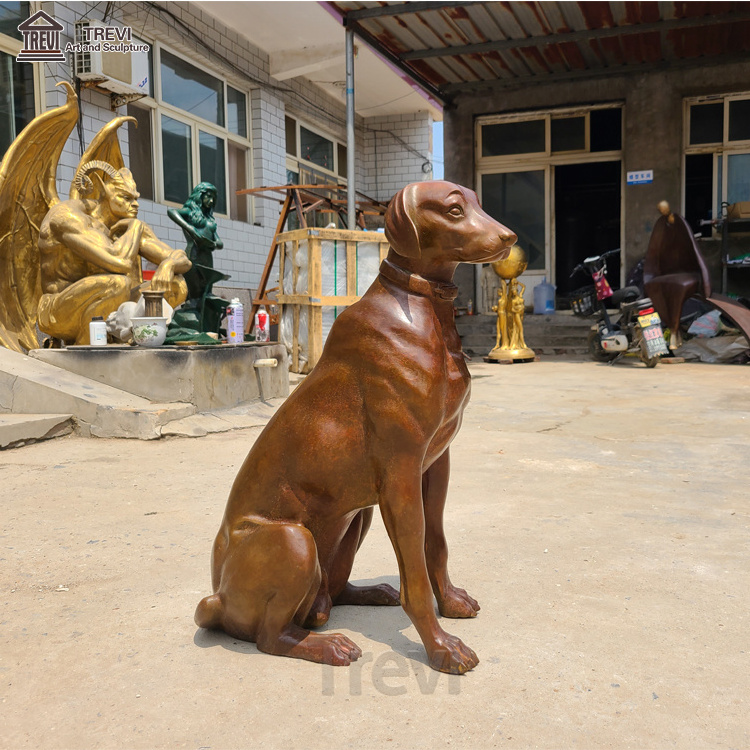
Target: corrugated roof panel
[597, 15]
[447, 32]
[505, 19]
[516, 62]
[534, 59]
[410, 35]
[698, 9]
[642, 48]
[611, 51]
[484, 19]
[541, 38]
[712, 40]
[635, 13]
[573, 16]
[556, 19]
[462, 19]
[531, 20]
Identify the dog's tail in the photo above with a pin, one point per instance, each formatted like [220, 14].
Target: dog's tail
[210, 612]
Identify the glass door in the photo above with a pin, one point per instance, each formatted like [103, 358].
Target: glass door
[517, 200]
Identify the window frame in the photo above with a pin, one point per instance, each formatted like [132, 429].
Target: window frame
[720, 150]
[546, 156]
[293, 161]
[159, 107]
[12, 47]
[546, 160]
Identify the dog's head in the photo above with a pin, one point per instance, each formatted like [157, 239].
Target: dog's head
[446, 222]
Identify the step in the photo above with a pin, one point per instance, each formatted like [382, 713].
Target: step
[30, 386]
[560, 333]
[18, 429]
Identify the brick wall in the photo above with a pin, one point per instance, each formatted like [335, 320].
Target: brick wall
[397, 150]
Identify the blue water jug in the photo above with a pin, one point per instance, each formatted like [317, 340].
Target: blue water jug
[544, 298]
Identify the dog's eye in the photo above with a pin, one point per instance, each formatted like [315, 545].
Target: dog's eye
[456, 211]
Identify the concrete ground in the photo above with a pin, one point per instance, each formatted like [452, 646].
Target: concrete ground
[599, 514]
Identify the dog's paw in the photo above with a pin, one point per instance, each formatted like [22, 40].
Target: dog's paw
[378, 595]
[457, 603]
[452, 655]
[339, 651]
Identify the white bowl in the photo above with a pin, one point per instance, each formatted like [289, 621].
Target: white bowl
[149, 331]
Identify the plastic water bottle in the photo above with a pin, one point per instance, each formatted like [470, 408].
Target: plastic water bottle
[262, 325]
[235, 322]
[544, 298]
[98, 331]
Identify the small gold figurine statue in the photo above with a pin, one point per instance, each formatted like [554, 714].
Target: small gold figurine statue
[510, 345]
[64, 262]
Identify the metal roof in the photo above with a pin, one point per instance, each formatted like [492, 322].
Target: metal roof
[450, 48]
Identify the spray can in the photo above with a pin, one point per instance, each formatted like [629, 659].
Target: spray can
[235, 322]
[262, 325]
[98, 331]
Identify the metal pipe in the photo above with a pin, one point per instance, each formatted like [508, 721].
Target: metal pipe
[351, 207]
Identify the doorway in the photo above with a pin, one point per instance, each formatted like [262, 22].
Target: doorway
[587, 220]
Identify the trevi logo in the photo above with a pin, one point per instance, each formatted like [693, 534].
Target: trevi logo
[41, 39]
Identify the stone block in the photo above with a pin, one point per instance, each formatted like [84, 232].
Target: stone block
[17, 429]
[209, 377]
[37, 387]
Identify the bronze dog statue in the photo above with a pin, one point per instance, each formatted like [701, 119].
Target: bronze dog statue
[370, 425]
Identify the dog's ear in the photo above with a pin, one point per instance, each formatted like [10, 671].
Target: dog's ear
[400, 228]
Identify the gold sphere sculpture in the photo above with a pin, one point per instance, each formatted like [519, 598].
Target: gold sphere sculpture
[513, 266]
[510, 345]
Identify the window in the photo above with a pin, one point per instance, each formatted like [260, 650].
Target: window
[717, 157]
[592, 131]
[310, 150]
[198, 127]
[17, 106]
[141, 149]
[12, 15]
[523, 160]
[314, 158]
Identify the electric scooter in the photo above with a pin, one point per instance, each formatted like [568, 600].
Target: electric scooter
[636, 330]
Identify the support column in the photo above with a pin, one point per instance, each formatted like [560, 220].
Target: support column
[351, 207]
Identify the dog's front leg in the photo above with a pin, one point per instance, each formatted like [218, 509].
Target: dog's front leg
[403, 514]
[452, 601]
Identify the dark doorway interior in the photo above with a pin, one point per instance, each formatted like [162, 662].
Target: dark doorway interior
[587, 220]
[699, 183]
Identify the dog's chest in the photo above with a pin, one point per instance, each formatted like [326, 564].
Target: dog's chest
[457, 378]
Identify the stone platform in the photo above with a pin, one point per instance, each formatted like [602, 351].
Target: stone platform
[209, 377]
[132, 392]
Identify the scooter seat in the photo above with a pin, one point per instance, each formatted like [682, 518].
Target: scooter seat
[628, 295]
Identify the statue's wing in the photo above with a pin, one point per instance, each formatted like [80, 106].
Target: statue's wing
[105, 147]
[27, 192]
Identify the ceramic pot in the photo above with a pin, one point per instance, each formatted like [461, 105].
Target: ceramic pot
[149, 331]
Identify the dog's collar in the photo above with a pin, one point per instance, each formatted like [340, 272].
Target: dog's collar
[417, 284]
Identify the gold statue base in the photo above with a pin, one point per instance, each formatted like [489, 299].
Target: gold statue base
[498, 354]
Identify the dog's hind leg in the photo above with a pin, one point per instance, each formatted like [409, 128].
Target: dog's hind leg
[343, 592]
[268, 581]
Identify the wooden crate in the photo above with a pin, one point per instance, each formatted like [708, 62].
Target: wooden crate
[306, 304]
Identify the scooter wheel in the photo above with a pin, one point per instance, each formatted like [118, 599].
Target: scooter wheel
[598, 354]
[649, 361]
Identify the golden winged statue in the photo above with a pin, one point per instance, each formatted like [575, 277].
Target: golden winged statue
[64, 262]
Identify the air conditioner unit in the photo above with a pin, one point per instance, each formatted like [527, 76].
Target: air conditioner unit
[125, 73]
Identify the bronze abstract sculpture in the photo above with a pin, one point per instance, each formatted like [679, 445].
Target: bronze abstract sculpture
[63, 263]
[371, 425]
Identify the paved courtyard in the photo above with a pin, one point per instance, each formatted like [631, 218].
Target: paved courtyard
[599, 514]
